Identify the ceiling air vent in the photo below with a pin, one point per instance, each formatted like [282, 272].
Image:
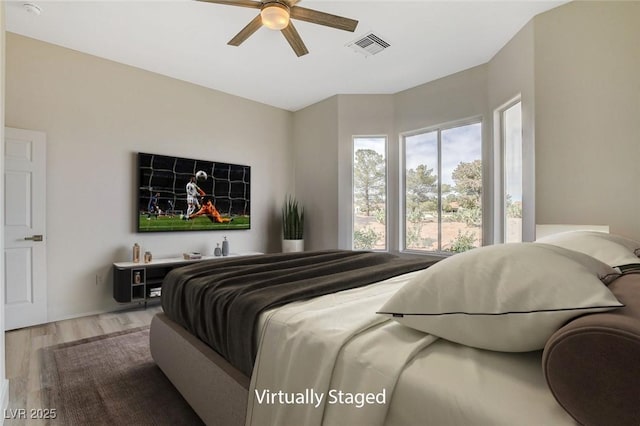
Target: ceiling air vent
[369, 45]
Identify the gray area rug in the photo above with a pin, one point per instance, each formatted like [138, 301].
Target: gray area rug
[111, 380]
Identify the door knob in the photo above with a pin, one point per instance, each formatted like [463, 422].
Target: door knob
[33, 238]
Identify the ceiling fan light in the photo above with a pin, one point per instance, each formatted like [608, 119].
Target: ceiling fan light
[275, 16]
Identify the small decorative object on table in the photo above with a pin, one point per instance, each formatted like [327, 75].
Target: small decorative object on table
[136, 253]
[217, 251]
[147, 257]
[225, 247]
[192, 255]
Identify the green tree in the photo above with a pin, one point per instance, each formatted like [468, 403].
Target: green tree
[468, 184]
[421, 184]
[446, 189]
[369, 179]
[463, 242]
[365, 238]
[422, 195]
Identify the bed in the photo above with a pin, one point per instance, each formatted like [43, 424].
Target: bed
[339, 357]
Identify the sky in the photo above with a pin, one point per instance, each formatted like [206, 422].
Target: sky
[459, 144]
[375, 143]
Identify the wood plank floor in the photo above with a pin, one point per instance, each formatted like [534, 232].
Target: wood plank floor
[23, 352]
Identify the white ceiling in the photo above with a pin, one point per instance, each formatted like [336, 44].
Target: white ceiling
[187, 40]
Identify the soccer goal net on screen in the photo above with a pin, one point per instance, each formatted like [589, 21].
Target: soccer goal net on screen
[226, 185]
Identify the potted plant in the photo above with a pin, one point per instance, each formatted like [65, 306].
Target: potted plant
[292, 226]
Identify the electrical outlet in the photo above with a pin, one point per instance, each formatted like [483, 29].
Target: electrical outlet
[98, 279]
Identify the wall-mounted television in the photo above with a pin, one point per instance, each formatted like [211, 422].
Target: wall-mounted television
[183, 194]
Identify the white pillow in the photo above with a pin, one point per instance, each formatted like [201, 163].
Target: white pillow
[506, 297]
[613, 250]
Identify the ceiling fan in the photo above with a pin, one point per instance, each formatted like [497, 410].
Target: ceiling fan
[276, 15]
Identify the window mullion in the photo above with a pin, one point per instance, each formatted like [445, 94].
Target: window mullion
[439, 184]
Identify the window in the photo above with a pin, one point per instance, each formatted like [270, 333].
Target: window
[511, 120]
[369, 193]
[443, 189]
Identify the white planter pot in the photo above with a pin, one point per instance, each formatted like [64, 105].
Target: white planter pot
[290, 246]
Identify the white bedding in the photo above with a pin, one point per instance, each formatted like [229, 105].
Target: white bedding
[452, 384]
[311, 351]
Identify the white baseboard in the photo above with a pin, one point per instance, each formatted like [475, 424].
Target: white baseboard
[4, 397]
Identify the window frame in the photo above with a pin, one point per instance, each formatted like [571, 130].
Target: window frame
[386, 189]
[439, 128]
[501, 208]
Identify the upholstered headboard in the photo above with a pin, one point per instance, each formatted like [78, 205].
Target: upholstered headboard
[592, 364]
[543, 230]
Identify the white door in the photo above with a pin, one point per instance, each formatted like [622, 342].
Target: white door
[25, 254]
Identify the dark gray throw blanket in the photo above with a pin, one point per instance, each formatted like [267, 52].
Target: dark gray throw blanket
[219, 301]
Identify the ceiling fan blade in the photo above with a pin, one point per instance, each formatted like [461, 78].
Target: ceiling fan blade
[322, 18]
[296, 43]
[246, 32]
[241, 3]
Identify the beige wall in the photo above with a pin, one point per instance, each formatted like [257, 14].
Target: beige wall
[511, 74]
[587, 92]
[315, 154]
[363, 115]
[455, 97]
[97, 114]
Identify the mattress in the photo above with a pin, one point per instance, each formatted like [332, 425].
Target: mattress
[452, 384]
[337, 343]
